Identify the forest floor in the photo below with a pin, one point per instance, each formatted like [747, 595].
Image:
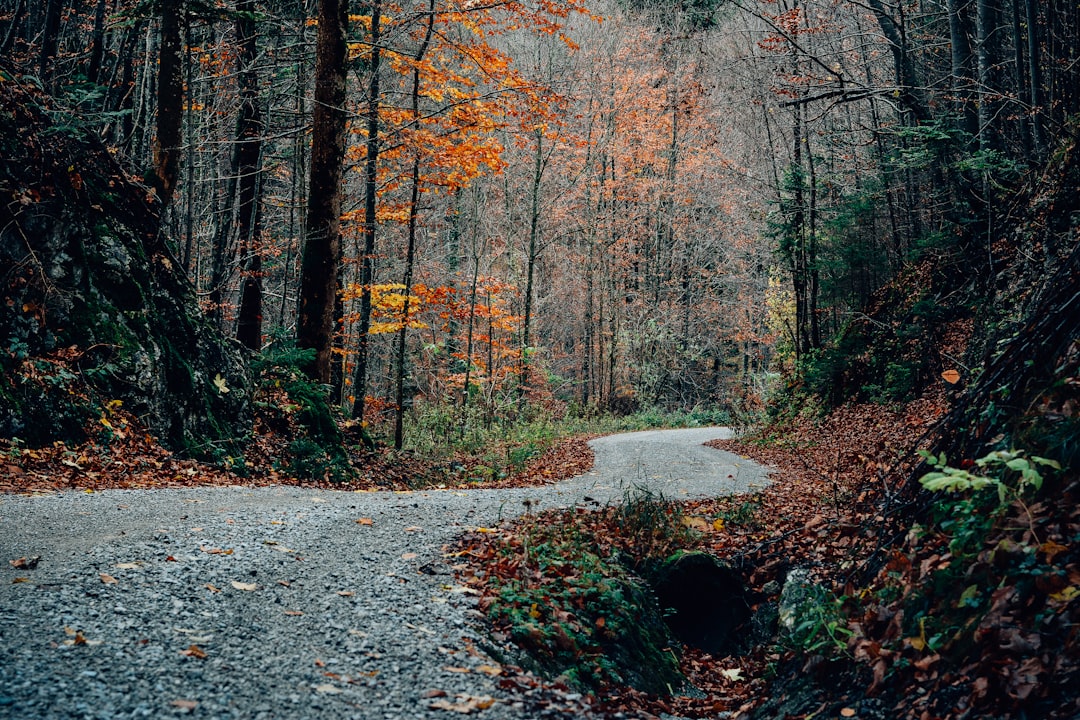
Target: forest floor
[836, 507]
[822, 511]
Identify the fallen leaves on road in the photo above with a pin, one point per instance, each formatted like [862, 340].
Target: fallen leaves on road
[25, 563]
[247, 587]
[194, 651]
[465, 704]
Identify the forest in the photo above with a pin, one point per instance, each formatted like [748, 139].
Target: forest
[401, 244]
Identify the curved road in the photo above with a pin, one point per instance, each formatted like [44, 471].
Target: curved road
[284, 602]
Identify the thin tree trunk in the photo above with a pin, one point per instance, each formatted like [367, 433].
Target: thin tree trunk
[50, 38]
[322, 243]
[986, 57]
[530, 271]
[367, 265]
[97, 46]
[249, 132]
[962, 80]
[17, 15]
[410, 253]
[912, 94]
[1035, 76]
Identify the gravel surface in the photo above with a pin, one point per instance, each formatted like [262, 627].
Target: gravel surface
[276, 602]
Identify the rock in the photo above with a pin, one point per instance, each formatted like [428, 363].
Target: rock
[94, 308]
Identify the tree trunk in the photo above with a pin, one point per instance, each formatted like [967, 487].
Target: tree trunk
[50, 38]
[1035, 76]
[986, 57]
[170, 103]
[97, 47]
[17, 14]
[912, 94]
[530, 271]
[410, 253]
[962, 80]
[322, 242]
[249, 132]
[371, 165]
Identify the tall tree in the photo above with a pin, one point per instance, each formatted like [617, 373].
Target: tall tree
[170, 101]
[322, 234]
[248, 164]
[371, 186]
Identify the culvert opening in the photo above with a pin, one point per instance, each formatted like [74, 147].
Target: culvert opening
[704, 601]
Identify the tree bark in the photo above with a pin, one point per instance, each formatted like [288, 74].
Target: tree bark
[371, 166]
[248, 163]
[962, 79]
[410, 253]
[322, 235]
[97, 47]
[50, 37]
[530, 266]
[170, 103]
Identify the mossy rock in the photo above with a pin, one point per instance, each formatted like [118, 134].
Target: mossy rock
[93, 306]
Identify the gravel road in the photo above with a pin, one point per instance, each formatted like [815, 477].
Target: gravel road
[276, 602]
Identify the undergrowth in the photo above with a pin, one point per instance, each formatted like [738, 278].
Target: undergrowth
[565, 586]
[471, 445]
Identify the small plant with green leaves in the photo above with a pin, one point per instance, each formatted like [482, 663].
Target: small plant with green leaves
[577, 611]
[1008, 471]
[812, 618]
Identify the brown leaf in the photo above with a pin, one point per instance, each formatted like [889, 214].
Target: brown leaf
[365, 521]
[466, 704]
[295, 613]
[951, 376]
[107, 578]
[248, 587]
[194, 651]
[346, 593]
[25, 563]
[184, 704]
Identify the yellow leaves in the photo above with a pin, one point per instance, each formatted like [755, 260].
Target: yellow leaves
[219, 383]
[365, 521]
[702, 524]
[1067, 595]
[466, 704]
